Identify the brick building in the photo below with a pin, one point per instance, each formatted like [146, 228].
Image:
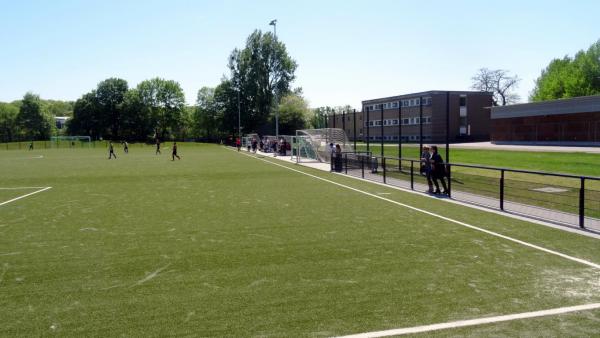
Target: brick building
[574, 121]
[468, 112]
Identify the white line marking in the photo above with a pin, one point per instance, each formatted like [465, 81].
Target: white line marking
[150, 276]
[537, 247]
[11, 253]
[18, 198]
[21, 188]
[472, 322]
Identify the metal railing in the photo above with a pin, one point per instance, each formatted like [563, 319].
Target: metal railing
[565, 199]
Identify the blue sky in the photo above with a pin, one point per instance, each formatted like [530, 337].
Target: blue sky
[347, 51]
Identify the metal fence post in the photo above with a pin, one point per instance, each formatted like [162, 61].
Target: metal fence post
[449, 180]
[582, 204]
[412, 175]
[502, 189]
[362, 166]
[384, 170]
[346, 163]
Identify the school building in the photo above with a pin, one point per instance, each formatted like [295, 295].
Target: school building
[468, 112]
[574, 121]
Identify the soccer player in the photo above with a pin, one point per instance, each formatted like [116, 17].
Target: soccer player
[125, 147]
[174, 154]
[157, 146]
[31, 145]
[111, 151]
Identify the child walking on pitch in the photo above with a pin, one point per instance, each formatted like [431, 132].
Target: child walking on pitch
[174, 154]
[111, 151]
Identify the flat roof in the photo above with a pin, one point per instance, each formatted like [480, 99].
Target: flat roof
[583, 104]
[429, 92]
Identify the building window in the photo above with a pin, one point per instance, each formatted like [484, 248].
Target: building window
[463, 101]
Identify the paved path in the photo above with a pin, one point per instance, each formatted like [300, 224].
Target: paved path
[510, 208]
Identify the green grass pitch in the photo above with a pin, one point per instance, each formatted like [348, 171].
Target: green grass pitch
[222, 244]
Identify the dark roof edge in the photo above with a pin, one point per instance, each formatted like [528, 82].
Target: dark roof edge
[429, 92]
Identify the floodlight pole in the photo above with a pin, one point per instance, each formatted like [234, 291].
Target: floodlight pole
[274, 24]
[354, 129]
[420, 126]
[400, 131]
[381, 130]
[447, 127]
[239, 115]
[368, 133]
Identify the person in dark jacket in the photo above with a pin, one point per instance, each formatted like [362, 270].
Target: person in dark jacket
[426, 167]
[438, 170]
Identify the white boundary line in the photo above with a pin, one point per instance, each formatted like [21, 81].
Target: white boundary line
[472, 322]
[537, 247]
[31, 193]
[21, 188]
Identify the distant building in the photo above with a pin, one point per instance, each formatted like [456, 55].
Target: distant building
[574, 121]
[468, 112]
[60, 121]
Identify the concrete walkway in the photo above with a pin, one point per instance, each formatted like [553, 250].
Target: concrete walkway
[511, 209]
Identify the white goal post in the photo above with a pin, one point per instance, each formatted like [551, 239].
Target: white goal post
[70, 141]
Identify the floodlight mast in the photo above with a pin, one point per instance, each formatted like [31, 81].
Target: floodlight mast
[274, 24]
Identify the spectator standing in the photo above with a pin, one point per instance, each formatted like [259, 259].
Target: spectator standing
[426, 167]
[438, 170]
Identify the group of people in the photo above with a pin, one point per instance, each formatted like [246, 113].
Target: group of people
[266, 145]
[434, 169]
[111, 149]
[336, 157]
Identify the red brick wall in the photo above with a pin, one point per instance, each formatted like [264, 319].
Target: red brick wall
[581, 127]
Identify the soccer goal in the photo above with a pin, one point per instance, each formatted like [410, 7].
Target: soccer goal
[70, 141]
[313, 144]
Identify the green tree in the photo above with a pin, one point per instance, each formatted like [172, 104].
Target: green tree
[8, 122]
[110, 95]
[293, 114]
[226, 106]
[262, 72]
[207, 118]
[136, 123]
[570, 76]
[59, 108]
[165, 101]
[33, 121]
[86, 117]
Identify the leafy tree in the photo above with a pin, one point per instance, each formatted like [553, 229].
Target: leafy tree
[86, 117]
[570, 77]
[110, 95]
[226, 105]
[293, 114]
[59, 108]
[135, 117]
[500, 83]
[33, 121]
[165, 101]
[262, 72]
[207, 118]
[8, 122]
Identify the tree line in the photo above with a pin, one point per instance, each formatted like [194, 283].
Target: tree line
[257, 88]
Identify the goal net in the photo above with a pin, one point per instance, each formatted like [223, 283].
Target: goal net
[313, 144]
[70, 141]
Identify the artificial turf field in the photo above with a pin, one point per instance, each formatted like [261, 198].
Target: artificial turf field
[223, 244]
